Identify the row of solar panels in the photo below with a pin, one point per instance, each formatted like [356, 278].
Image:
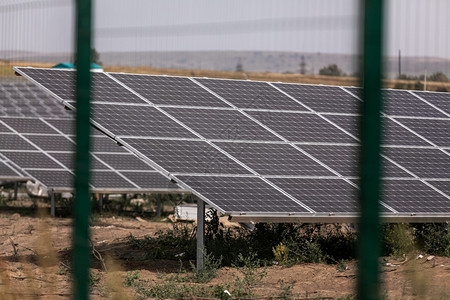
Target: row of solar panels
[37, 142]
[260, 148]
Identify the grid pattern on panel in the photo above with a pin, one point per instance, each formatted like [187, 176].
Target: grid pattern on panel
[27, 100]
[51, 142]
[14, 142]
[186, 156]
[393, 133]
[344, 160]
[425, 163]
[403, 103]
[330, 99]
[3, 128]
[274, 159]
[53, 178]
[221, 124]
[321, 195]
[140, 121]
[68, 158]
[150, 180]
[110, 179]
[413, 196]
[242, 194]
[32, 160]
[123, 162]
[28, 125]
[436, 131]
[7, 171]
[163, 90]
[300, 127]
[251, 94]
[61, 83]
[443, 186]
[440, 100]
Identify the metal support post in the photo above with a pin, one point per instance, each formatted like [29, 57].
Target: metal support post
[158, 205]
[200, 233]
[16, 186]
[52, 203]
[100, 202]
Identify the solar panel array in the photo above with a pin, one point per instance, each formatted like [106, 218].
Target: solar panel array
[271, 149]
[37, 137]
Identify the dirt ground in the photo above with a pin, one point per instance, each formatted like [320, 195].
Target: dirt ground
[35, 259]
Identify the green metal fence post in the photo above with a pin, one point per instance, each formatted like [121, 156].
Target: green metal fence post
[81, 251]
[370, 133]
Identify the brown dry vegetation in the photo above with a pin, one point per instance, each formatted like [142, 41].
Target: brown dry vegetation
[6, 70]
[35, 263]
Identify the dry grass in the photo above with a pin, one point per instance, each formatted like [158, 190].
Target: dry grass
[6, 70]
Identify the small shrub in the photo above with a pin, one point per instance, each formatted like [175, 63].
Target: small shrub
[281, 253]
[397, 239]
[210, 267]
[132, 279]
[433, 238]
[251, 274]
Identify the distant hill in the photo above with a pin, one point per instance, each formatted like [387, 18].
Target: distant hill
[252, 61]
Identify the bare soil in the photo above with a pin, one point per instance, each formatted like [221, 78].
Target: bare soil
[35, 260]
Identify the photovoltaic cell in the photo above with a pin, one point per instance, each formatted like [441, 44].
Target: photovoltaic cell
[150, 180]
[322, 98]
[32, 160]
[425, 163]
[344, 160]
[108, 179]
[53, 178]
[14, 142]
[140, 121]
[435, 130]
[322, 195]
[62, 83]
[440, 100]
[66, 126]
[413, 196]
[26, 125]
[242, 194]
[221, 124]
[403, 103]
[274, 159]
[300, 127]
[251, 94]
[124, 162]
[68, 160]
[443, 186]
[186, 156]
[51, 142]
[3, 128]
[393, 133]
[27, 100]
[7, 171]
[162, 90]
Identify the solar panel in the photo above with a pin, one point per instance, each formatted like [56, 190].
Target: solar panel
[439, 100]
[412, 196]
[221, 124]
[288, 161]
[162, 90]
[302, 127]
[329, 99]
[251, 94]
[425, 163]
[436, 131]
[269, 149]
[44, 145]
[393, 133]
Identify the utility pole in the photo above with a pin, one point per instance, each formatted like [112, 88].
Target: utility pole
[302, 65]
